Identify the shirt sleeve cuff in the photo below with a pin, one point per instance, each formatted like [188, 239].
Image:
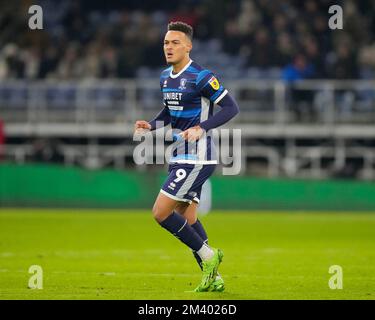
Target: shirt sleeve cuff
[221, 96]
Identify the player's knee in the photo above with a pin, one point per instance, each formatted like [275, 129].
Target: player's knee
[191, 220]
[159, 214]
[155, 212]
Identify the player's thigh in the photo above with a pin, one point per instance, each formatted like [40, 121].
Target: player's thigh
[163, 207]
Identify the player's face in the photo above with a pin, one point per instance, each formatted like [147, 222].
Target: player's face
[176, 46]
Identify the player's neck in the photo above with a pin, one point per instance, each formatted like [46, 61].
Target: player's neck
[179, 66]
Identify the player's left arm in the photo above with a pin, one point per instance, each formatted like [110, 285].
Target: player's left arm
[210, 88]
[229, 109]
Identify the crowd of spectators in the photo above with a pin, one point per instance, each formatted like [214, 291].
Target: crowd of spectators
[113, 39]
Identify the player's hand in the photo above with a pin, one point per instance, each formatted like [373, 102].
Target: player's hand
[192, 134]
[141, 126]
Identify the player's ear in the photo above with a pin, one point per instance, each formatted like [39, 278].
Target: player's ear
[188, 44]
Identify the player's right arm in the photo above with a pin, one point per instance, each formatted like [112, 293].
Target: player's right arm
[161, 120]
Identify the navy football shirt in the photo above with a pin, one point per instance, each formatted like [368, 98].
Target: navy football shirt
[189, 97]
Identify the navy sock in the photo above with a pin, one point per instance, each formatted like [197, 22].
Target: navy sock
[198, 227]
[178, 226]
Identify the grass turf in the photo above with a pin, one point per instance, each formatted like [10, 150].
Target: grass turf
[109, 254]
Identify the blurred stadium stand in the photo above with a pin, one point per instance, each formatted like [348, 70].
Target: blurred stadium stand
[70, 93]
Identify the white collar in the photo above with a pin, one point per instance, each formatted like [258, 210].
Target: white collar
[173, 76]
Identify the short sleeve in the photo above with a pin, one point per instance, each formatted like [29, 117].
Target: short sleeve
[209, 86]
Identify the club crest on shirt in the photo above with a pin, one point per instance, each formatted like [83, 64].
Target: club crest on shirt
[182, 84]
[214, 83]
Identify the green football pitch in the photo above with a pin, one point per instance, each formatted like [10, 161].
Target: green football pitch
[115, 254]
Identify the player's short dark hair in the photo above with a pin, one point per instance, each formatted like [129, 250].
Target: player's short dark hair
[181, 26]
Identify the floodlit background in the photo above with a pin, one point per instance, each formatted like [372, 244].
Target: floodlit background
[70, 94]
